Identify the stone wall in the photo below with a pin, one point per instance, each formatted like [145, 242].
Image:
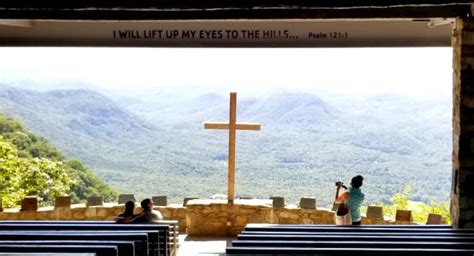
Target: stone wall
[199, 217]
[216, 217]
[174, 212]
[81, 212]
[302, 216]
[462, 192]
[320, 216]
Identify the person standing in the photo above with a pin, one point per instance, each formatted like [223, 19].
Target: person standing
[354, 198]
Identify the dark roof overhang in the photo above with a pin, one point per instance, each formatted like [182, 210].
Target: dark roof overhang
[230, 9]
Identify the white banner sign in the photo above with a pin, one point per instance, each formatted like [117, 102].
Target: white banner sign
[224, 33]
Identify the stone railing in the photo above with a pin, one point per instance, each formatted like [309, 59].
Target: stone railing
[206, 217]
[81, 212]
[214, 217]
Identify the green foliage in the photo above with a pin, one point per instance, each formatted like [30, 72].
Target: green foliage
[420, 210]
[29, 176]
[40, 148]
[30, 166]
[27, 144]
[441, 208]
[400, 199]
[87, 183]
[9, 167]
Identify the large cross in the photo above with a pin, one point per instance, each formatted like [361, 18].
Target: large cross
[232, 126]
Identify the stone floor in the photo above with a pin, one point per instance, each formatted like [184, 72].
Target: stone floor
[203, 246]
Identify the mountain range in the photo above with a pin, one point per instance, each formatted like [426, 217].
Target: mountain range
[153, 143]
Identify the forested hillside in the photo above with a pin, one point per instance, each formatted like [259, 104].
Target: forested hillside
[31, 166]
[154, 143]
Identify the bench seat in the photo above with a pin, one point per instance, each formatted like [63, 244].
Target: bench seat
[167, 239]
[125, 248]
[140, 239]
[99, 250]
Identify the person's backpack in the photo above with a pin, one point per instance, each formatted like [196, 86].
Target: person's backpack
[343, 212]
[343, 215]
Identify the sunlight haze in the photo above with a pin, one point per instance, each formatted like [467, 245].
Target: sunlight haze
[362, 71]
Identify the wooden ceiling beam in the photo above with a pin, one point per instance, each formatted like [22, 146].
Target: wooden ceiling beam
[185, 4]
[293, 12]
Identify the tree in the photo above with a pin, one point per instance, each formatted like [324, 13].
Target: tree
[44, 169]
[30, 176]
[9, 169]
[420, 210]
[87, 183]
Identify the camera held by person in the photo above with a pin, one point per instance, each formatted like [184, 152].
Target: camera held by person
[341, 184]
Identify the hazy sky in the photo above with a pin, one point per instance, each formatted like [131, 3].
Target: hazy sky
[405, 71]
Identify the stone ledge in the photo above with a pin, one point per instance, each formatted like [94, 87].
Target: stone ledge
[200, 217]
[252, 202]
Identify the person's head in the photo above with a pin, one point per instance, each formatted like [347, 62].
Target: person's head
[129, 207]
[356, 181]
[147, 204]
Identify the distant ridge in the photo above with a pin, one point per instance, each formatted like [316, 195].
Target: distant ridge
[154, 142]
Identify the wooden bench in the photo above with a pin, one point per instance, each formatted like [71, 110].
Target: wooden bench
[99, 250]
[349, 240]
[280, 251]
[263, 225]
[356, 237]
[332, 228]
[351, 233]
[172, 244]
[353, 244]
[124, 248]
[45, 254]
[158, 234]
[140, 240]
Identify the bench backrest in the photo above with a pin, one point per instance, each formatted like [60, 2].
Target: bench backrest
[140, 239]
[172, 245]
[99, 250]
[353, 244]
[352, 233]
[45, 254]
[328, 240]
[233, 250]
[260, 225]
[335, 237]
[158, 240]
[356, 229]
[125, 248]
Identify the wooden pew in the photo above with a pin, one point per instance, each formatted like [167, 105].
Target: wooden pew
[367, 229]
[99, 250]
[280, 251]
[45, 254]
[158, 234]
[140, 239]
[265, 225]
[364, 240]
[357, 237]
[173, 239]
[353, 244]
[351, 233]
[124, 248]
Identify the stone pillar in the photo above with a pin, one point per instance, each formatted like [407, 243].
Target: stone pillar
[462, 190]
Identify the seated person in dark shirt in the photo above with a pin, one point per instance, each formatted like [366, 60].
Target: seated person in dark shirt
[127, 214]
[148, 215]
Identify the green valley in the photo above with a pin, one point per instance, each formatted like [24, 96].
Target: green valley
[153, 142]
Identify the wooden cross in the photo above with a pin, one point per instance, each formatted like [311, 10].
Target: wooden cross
[232, 126]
